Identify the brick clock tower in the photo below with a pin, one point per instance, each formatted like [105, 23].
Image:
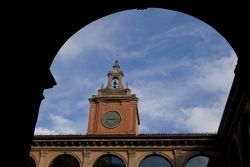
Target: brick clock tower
[114, 109]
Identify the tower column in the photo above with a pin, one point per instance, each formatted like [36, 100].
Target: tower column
[109, 82]
[120, 86]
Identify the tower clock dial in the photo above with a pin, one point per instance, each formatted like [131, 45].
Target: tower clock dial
[111, 119]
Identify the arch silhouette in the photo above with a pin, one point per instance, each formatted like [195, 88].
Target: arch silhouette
[245, 137]
[156, 159]
[27, 93]
[234, 157]
[32, 162]
[64, 160]
[109, 160]
[137, 163]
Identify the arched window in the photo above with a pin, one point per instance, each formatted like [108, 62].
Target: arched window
[31, 162]
[201, 161]
[65, 160]
[109, 161]
[154, 161]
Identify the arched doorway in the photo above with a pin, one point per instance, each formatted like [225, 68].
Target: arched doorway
[155, 161]
[202, 161]
[109, 160]
[65, 160]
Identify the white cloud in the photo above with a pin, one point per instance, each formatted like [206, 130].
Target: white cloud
[44, 131]
[165, 102]
[177, 33]
[62, 125]
[105, 34]
[160, 67]
[59, 120]
[70, 49]
[216, 75]
[100, 34]
[201, 119]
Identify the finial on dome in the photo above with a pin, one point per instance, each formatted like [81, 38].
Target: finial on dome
[116, 62]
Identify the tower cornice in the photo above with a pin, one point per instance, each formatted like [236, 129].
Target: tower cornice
[113, 99]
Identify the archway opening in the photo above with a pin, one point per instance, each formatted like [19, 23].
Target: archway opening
[65, 160]
[109, 161]
[185, 60]
[202, 161]
[155, 161]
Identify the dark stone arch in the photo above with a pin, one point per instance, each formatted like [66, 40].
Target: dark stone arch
[31, 162]
[245, 138]
[155, 160]
[64, 160]
[109, 160]
[234, 156]
[30, 48]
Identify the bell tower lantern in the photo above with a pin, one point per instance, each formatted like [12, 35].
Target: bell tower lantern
[115, 77]
[114, 109]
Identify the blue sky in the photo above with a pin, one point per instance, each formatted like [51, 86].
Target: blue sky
[180, 68]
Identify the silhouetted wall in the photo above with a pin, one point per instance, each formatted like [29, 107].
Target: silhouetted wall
[32, 34]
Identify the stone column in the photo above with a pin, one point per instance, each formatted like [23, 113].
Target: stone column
[177, 157]
[42, 162]
[131, 158]
[85, 155]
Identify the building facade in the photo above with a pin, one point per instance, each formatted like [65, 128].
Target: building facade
[113, 139]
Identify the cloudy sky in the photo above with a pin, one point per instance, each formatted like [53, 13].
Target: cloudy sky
[180, 68]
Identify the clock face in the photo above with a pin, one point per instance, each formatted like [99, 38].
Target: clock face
[111, 119]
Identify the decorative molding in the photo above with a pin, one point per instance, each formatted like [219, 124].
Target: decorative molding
[130, 142]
